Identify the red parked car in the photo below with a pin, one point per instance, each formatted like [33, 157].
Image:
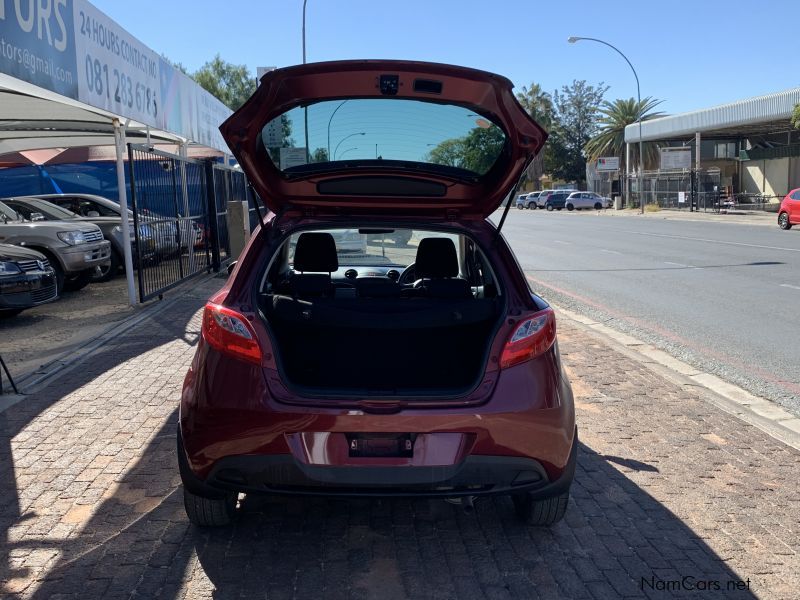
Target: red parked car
[419, 369]
[789, 212]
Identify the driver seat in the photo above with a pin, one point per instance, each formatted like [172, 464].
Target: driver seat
[437, 269]
[315, 259]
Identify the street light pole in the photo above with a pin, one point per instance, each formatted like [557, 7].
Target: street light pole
[348, 150]
[342, 140]
[305, 116]
[574, 39]
[304, 31]
[342, 103]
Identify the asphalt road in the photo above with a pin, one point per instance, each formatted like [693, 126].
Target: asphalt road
[722, 297]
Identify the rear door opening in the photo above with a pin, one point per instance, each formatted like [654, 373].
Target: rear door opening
[381, 312]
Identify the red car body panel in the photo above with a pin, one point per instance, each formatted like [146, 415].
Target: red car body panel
[235, 412]
[791, 206]
[486, 93]
[231, 407]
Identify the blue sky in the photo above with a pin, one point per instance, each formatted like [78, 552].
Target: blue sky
[690, 54]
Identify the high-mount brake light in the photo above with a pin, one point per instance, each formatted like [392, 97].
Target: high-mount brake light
[532, 337]
[229, 332]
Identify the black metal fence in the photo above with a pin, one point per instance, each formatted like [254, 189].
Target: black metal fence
[180, 209]
[690, 190]
[695, 190]
[170, 218]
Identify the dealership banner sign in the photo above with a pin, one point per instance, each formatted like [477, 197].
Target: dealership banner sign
[71, 48]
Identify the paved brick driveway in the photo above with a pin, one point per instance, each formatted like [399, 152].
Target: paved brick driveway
[669, 490]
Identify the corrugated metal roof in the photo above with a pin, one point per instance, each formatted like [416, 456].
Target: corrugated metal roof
[760, 109]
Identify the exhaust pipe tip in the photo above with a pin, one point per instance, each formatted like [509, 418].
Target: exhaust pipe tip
[465, 502]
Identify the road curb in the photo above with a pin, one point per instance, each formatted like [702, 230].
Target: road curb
[758, 412]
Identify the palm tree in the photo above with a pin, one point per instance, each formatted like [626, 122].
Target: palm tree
[610, 140]
[539, 105]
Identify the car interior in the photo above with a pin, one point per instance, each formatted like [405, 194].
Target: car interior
[419, 327]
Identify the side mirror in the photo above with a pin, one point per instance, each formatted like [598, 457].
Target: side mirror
[231, 266]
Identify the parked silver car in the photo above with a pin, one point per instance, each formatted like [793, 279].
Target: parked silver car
[111, 226]
[73, 249]
[162, 229]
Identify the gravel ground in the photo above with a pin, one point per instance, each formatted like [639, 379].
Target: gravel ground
[40, 335]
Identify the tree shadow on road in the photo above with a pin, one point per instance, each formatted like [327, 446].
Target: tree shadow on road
[616, 540]
[28, 423]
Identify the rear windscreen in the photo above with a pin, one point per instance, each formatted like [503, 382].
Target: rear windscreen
[335, 134]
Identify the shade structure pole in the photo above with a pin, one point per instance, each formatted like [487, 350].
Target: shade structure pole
[119, 142]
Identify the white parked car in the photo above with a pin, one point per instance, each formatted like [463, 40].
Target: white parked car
[579, 200]
[527, 200]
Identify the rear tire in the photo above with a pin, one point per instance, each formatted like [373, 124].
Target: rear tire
[540, 512]
[549, 207]
[209, 512]
[532, 206]
[783, 221]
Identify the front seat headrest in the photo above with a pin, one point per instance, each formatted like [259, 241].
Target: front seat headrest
[436, 257]
[316, 253]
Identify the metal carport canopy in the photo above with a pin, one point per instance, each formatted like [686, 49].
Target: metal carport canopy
[758, 115]
[32, 118]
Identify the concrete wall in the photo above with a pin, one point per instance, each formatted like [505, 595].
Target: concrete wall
[777, 176]
[794, 173]
[771, 177]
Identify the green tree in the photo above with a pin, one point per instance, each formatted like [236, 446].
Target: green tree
[539, 105]
[477, 151]
[610, 139]
[319, 155]
[231, 84]
[575, 123]
[796, 116]
[449, 153]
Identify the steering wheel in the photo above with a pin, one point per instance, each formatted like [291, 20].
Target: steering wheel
[408, 276]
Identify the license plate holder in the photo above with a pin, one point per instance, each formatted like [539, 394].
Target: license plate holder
[376, 445]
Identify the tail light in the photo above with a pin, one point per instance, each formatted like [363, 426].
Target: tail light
[229, 332]
[533, 337]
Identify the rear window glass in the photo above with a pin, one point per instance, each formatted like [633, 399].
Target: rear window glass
[364, 131]
[397, 247]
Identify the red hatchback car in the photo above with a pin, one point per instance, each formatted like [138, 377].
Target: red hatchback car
[789, 212]
[422, 367]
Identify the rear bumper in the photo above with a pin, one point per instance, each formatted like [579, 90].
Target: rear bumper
[474, 476]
